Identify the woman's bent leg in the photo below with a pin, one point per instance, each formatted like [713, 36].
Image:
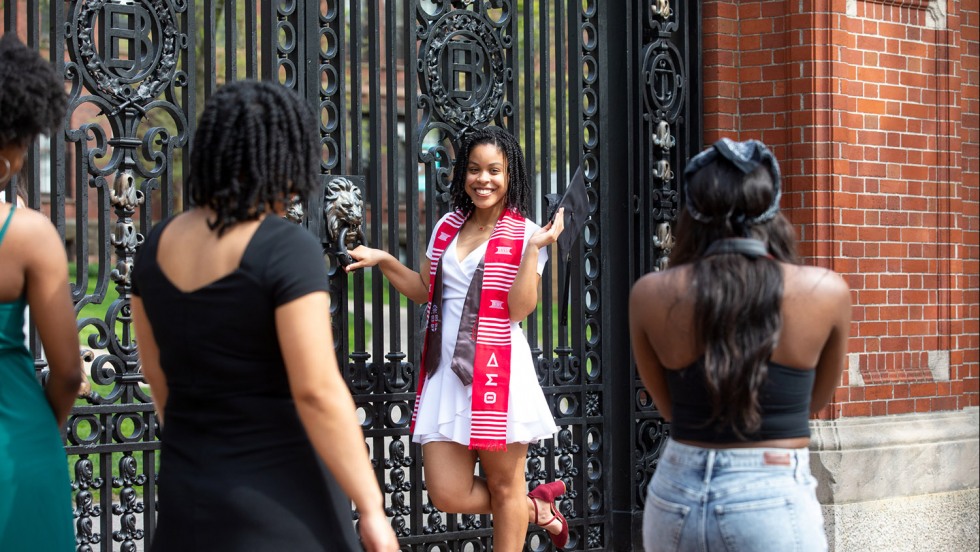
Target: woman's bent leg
[508, 496]
[453, 487]
[450, 480]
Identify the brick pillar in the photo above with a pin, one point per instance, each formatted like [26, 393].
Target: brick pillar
[966, 355]
[871, 107]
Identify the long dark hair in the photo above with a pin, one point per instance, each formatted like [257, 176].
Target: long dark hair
[518, 186]
[737, 318]
[256, 146]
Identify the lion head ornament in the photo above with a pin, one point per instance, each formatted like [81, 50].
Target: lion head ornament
[343, 212]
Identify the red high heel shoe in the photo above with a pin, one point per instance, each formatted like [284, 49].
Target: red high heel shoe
[549, 492]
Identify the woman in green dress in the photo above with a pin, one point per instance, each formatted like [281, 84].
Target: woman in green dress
[35, 494]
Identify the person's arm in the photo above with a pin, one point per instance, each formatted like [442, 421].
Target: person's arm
[411, 284]
[523, 296]
[643, 319]
[834, 353]
[149, 357]
[49, 298]
[327, 410]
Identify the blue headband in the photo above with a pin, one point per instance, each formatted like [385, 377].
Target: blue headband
[746, 157]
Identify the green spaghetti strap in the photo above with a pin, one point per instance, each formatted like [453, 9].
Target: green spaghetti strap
[13, 207]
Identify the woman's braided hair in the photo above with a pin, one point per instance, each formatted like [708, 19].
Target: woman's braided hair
[519, 184]
[256, 146]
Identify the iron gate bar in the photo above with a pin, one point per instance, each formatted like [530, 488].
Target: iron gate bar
[544, 172]
[413, 242]
[375, 184]
[665, 123]
[614, 352]
[395, 356]
[210, 28]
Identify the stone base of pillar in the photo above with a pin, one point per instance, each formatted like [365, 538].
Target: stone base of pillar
[906, 482]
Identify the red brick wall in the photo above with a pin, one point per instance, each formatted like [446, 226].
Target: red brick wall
[968, 275]
[873, 116]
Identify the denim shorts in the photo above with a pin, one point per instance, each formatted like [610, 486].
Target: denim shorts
[735, 500]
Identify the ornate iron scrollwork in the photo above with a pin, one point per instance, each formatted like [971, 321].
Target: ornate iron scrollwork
[126, 198]
[123, 65]
[664, 79]
[343, 211]
[663, 241]
[463, 79]
[129, 504]
[85, 506]
[661, 8]
[651, 438]
[399, 487]
[662, 171]
[463, 69]
[135, 55]
[664, 97]
[663, 138]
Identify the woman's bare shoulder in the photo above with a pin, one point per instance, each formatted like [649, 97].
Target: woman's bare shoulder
[665, 288]
[815, 276]
[34, 242]
[29, 225]
[815, 279]
[657, 283]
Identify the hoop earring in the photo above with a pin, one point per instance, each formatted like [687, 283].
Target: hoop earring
[6, 172]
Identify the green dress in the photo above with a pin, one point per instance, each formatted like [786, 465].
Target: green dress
[35, 493]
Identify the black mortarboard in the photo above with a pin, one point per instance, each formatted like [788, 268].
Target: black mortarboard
[575, 201]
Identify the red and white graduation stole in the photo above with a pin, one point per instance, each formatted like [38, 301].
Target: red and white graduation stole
[491, 362]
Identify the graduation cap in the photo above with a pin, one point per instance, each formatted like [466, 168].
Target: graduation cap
[575, 201]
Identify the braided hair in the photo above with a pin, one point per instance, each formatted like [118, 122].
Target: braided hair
[737, 316]
[518, 185]
[32, 95]
[256, 146]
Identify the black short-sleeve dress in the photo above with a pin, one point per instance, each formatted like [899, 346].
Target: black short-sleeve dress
[237, 471]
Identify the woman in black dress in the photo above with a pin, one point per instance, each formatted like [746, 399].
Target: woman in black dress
[232, 314]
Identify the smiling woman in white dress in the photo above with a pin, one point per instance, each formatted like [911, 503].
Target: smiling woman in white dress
[479, 395]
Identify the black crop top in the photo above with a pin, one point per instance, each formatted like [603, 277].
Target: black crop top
[784, 400]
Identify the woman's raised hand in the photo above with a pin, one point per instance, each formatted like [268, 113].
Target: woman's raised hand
[549, 233]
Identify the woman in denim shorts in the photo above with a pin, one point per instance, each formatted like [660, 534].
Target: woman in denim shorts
[738, 344]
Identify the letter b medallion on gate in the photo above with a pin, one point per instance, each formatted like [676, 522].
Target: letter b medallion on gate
[126, 50]
[463, 62]
[462, 69]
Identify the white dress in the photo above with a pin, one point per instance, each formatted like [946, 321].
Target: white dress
[445, 404]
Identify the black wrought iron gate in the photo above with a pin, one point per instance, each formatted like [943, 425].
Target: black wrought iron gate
[610, 86]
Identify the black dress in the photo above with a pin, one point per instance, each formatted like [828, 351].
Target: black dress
[237, 471]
